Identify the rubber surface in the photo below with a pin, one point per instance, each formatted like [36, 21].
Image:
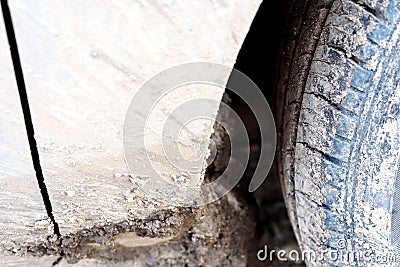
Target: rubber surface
[338, 105]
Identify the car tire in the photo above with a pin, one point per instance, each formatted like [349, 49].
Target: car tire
[337, 115]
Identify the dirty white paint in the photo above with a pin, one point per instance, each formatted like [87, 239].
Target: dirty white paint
[83, 62]
[12, 261]
[21, 205]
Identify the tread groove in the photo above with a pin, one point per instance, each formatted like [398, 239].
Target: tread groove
[330, 158]
[368, 9]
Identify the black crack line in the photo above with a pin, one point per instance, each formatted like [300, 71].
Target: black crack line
[19, 76]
